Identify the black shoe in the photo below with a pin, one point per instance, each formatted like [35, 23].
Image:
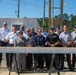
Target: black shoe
[38, 69]
[71, 69]
[41, 67]
[48, 68]
[7, 66]
[41, 70]
[61, 68]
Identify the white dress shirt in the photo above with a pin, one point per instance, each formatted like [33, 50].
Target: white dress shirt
[11, 37]
[74, 36]
[0, 36]
[3, 33]
[26, 36]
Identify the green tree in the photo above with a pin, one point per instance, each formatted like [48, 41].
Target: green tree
[69, 20]
[65, 16]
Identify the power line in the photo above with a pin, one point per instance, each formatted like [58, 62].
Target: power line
[69, 6]
[36, 4]
[6, 15]
[18, 10]
[33, 5]
[31, 9]
[8, 4]
[39, 4]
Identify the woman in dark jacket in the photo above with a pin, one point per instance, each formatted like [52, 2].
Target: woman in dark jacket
[39, 41]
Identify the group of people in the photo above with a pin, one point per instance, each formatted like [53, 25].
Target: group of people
[29, 38]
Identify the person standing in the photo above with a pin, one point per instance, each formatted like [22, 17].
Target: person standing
[66, 41]
[3, 33]
[10, 38]
[43, 32]
[52, 41]
[20, 41]
[22, 28]
[39, 41]
[58, 30]
[32, 32]
[74, 45]
[60, 56]
[29, 39]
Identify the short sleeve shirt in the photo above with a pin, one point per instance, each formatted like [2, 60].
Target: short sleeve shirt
[3, 33]
[45, 34]
[20, 42]
[52, 38]
[11, 37]
[65, 37]
[74, 36]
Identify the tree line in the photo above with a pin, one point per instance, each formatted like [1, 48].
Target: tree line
[69, 20]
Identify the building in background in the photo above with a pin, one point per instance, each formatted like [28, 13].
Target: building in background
[27, 22]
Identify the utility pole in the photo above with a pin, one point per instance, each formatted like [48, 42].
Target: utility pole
[61, 12]
[44, 12]
[49, 13]
[52, 12]
[18, 9]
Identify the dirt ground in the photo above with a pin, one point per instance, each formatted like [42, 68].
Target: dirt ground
[4, 71]
[13, 73]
